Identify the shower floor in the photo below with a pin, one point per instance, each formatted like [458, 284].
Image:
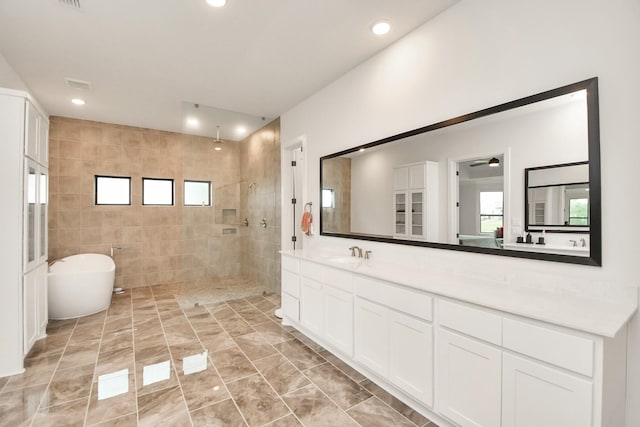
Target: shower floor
[214, 290]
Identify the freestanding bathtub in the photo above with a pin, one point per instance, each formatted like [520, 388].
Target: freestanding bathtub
[80, 285]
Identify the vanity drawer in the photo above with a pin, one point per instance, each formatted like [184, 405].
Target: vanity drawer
[471, 321]
[327, 275]
[404, 300]
[291, 283]
[290, 264]
[549, 345]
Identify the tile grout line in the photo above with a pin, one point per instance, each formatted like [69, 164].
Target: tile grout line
[95, 366]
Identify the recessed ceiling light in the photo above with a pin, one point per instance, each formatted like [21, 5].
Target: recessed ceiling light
[241, 129]
[192, 121]
[361, 150]
[217, 148]
[380, 28]
[78, 101]
[217, 3]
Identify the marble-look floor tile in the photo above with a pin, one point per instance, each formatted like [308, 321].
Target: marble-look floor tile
[94, 319]
[55, 327]
[148, 326]
[235, 326]
[180, 351]
[390, 400]
[78, 355]
[3, 382]
[337, 385]
[253, 316]
[112, 396]
[281, 374]
[258, 403]
[215, 339]
[117, 340]
[118, 324]
[239, 304]
[222, 311]
[179, 335]
[272, 332]
[37, 371]
[195, 311]
[338, 363]
[68, 414]
[375, 413]
[254, 346]
[299, 354]
[155, 374]
[115, 360]
[130, 420]
[165, 407]
[18, 407]
[150, 340]
[203, 321]
[70, 384]
[313, 408]
[265, 306]
[287, 421]
[307, 341]
[86, 333]
[159, 350]
[232, 364]
[223, 414]
[202, 388]
[48, 346]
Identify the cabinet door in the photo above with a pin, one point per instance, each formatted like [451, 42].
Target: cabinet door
[30, 215]
[401, 178]
[411, 356]
[536, 395]
[311, 305]
[418, 217]
[468, 380]
[290, 307]
[42, 303]
[338, 319]
[31, 128]
[417, 176]
[29, 299]
[371, 336]
[400, 216]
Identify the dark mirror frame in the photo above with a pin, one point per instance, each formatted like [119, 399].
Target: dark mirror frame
[593, 123]
[553, 228]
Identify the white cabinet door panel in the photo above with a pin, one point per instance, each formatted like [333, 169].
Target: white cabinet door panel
[291, 307]
[535, 395]
[311, 305]
[30, 298]
[42, 300]
[411, 356]
[371, 336]
[338, 318]
[468, 380]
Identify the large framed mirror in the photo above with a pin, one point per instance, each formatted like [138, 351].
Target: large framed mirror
[507, 180]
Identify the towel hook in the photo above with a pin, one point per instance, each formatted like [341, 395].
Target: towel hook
[307, 205]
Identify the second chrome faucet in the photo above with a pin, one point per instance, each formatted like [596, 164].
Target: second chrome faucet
[358, 250]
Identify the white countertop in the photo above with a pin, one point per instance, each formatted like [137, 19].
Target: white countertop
[551, 249]
[584, 314]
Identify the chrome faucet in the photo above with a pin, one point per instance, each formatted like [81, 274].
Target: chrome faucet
[353, 251]
[583, 242]
[367, 255]
[574, 243]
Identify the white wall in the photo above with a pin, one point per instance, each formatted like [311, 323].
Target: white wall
[479, 54]
[9, 79]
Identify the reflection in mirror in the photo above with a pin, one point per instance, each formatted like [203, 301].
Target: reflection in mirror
[460, 184]
[557, 198]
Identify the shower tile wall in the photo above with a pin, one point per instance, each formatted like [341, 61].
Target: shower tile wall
[260, 154]
[161, 245]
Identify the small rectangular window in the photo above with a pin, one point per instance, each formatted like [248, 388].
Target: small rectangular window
[157, 191]
[197, 193]
[113, 190]
[328, 198]
[491, 210]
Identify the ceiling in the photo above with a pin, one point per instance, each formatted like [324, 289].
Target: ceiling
[150, 61]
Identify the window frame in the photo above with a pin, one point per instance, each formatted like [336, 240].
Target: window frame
[184, 192]
[173, 191]
[481, 215]
[95, 190]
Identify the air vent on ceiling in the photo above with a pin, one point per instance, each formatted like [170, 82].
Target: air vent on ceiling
[77, 84]
[72, 3]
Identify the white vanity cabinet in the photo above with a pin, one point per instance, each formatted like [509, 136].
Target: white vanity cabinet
[394, 336]
[459, 362]
[415, 201]
[24, 131]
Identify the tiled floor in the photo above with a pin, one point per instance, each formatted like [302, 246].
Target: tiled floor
[149, 361]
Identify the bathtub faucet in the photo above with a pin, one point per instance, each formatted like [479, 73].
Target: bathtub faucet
[115, 247]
